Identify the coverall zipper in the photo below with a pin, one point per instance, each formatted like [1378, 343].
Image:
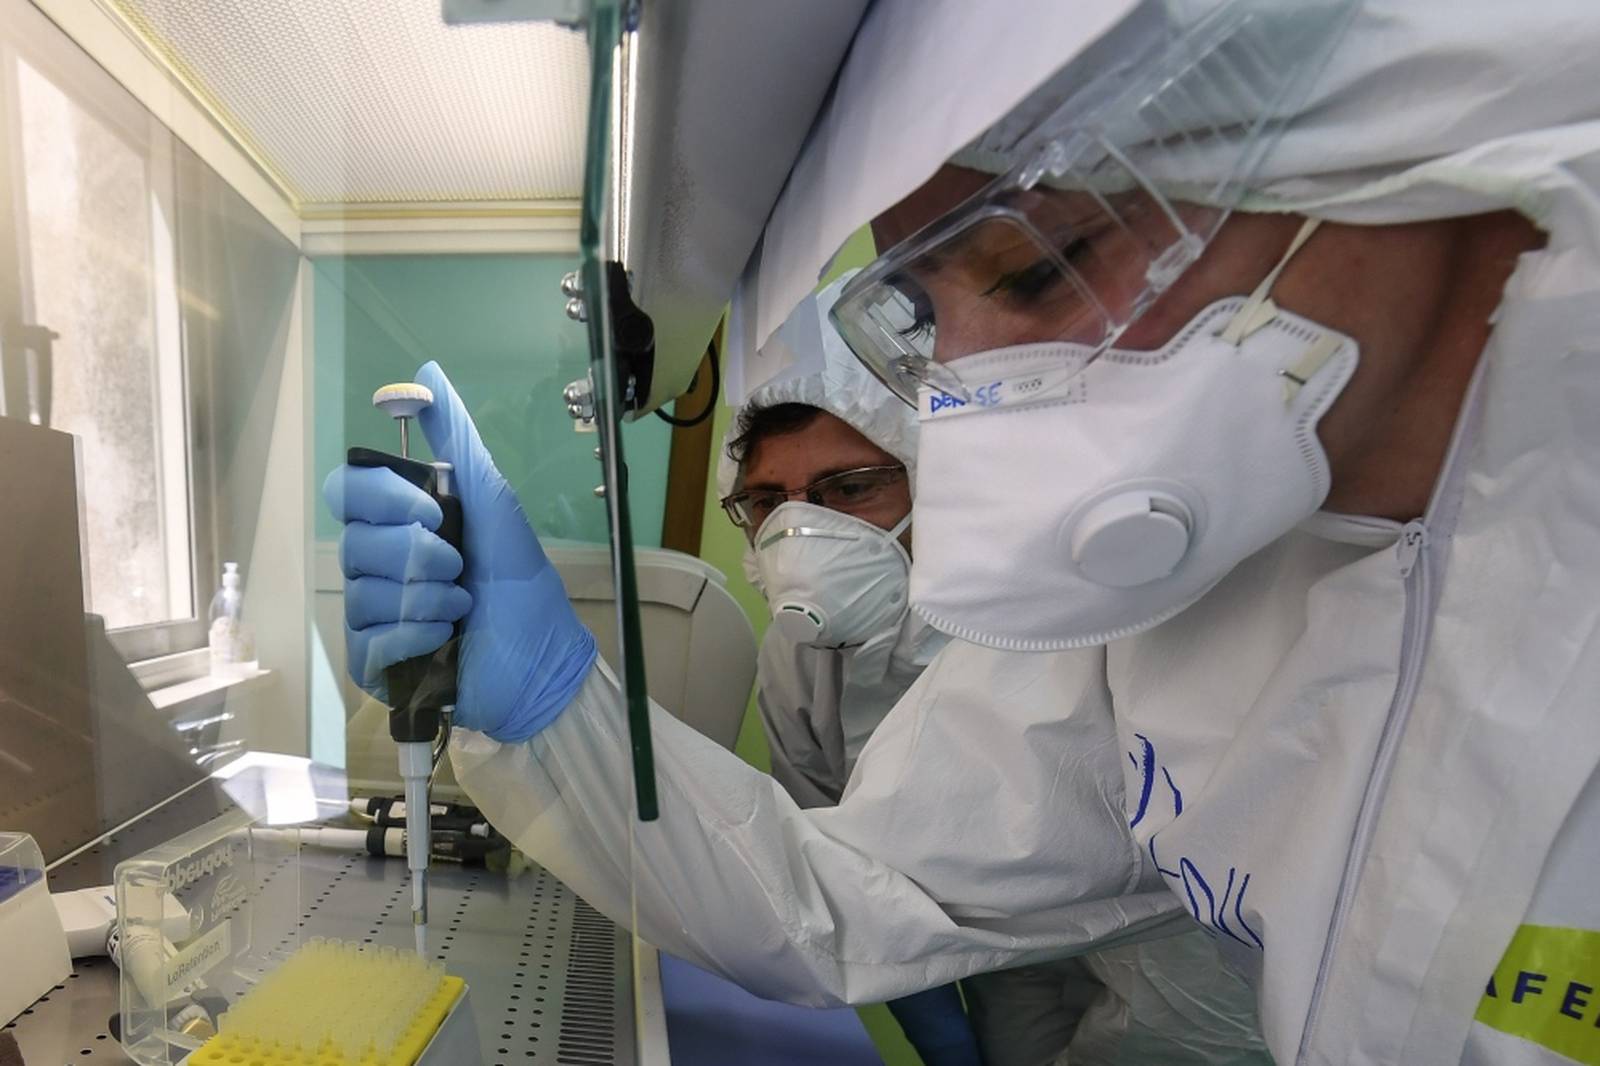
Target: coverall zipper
[1416, 555]
[1415, 564]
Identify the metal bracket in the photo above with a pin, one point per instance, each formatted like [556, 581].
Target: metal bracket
[633, 337]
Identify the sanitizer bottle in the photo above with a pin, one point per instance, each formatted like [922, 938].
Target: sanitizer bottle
[233, 645]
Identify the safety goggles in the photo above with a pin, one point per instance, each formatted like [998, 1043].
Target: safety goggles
[1105, 207]
[854, 492]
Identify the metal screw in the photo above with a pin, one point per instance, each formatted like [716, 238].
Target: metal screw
[571, 284]
[600, 491]
[576, 310]
[579, 399]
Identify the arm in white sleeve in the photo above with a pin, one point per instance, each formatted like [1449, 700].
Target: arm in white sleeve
[983, 828]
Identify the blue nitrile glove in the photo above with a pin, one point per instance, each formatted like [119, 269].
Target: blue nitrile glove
[524, 653]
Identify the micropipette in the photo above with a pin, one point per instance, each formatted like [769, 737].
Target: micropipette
[422, 691]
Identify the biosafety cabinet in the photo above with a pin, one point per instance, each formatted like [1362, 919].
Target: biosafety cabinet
[223, 225]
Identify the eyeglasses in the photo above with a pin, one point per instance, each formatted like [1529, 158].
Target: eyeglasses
[852, 492]
[1111, 198]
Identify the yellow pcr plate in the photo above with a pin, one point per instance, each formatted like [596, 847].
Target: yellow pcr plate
[336, 1005]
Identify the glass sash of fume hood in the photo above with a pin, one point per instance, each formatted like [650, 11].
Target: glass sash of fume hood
[611, 392]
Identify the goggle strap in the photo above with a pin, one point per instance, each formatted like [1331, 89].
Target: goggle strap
[1160, 201]
[1258, 309]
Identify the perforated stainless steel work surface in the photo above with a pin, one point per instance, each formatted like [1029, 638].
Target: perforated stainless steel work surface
[549, 976]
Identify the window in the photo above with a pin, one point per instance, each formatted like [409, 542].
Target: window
[91, 307]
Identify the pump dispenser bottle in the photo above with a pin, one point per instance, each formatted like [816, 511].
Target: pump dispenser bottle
[233, 645]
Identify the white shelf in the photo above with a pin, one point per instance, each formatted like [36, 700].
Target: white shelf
[186, 691]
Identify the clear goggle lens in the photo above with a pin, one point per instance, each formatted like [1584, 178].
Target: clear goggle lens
[1049, 265]
[1110, 199]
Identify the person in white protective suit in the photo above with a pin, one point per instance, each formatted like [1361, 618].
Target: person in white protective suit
[816, 470]
[843, 645]
[843, 648]
[1321, 474]
[1360, 750]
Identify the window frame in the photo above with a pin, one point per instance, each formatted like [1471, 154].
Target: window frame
[184, 452]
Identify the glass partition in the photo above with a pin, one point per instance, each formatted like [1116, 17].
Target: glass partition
[223, 227]
[148, 319]
[182, 365]
[496, 325]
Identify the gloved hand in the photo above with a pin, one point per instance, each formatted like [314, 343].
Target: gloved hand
[524, 653]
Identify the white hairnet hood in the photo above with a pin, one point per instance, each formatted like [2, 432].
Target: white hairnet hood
[823, 372]
[1425, 110]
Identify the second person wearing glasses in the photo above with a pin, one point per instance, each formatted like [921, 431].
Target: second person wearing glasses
[816, 472]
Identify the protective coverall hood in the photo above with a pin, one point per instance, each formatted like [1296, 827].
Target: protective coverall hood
[824, 373]
[1409, 87]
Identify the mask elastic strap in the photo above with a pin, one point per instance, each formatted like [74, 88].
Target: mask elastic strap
[899, 527]
[1258, 308]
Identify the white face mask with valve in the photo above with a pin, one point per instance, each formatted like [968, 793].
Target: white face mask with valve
[831, 580]
[1071, 502]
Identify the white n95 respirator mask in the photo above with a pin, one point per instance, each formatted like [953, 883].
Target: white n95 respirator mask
[831, 580]
[1075, 498]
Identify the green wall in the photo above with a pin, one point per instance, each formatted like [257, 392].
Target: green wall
[722, 545]
[497, 326]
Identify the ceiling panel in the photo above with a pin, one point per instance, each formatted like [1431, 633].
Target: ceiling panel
[378, 102]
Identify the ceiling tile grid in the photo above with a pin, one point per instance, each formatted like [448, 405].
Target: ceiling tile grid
[352, 102]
